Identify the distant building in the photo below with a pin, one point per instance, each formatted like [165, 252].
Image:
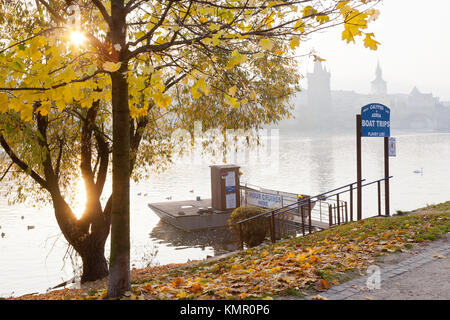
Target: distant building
[319, 89]
[319, 104]
[379, 86]
[320, 109]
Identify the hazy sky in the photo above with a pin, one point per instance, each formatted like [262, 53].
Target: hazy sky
[414, 50]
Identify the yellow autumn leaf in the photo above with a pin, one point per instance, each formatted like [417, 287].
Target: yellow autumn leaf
[3, 102]
[370, 43]
[290, 255]
[301, 258]
[111, 66]
[259, 55]
[308, 11]
[295, 42]
[162, 100]
[299, 25]
[195, 93]
[68, 94]
[275, 269]
[236, 58]
[233, 102]
[266, 44]
[214, 27]
[216, 39]
[232, 91]
[201, 84]
[207, 41]
[44, 108]
[373, 14]
[148, 69]
[342, 4]
[322, 18]
[347, 35]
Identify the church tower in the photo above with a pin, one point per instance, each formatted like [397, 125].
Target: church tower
[379, 87]
[319, 92]
[318, 108]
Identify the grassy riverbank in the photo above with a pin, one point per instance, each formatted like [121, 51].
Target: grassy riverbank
[300, 266]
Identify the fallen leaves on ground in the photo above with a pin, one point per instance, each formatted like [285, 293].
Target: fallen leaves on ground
[312, 262]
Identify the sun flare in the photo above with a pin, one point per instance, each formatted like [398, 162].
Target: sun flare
[80, 199]
[77, 38]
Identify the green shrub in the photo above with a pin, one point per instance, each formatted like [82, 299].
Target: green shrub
[254, 231]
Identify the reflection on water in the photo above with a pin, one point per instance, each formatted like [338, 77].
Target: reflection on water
[322, 164]
[221, 240]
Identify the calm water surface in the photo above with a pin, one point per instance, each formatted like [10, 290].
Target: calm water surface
[32, 260]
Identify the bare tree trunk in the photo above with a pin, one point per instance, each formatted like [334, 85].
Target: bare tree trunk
[88, 242]
[119, 266]
[95, 266]
[119, 278]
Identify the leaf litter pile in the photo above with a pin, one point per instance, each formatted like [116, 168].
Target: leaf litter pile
[289, 267]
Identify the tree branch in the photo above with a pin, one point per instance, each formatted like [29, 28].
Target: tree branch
[55, 86]
[22, 165]
[58, 18]
[103, 11]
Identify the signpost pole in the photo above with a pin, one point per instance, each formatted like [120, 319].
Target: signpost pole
[374, 121]
[386, 174]
[358, 169]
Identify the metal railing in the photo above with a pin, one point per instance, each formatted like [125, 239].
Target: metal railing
[338, 213]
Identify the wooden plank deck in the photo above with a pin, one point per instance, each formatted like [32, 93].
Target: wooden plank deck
[183, 208]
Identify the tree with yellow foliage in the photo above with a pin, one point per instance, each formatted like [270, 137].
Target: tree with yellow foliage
[131, 62]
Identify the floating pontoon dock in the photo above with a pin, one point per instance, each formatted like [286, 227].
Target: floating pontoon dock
[226, 195]
[191, 215]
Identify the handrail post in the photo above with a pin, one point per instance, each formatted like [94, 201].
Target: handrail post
[309, 214]
[302, 209]
[379, 198]
[334, 213]
[330, 215]
[320, 208]
[351, 202]
[240, 237]
[338, 211]
[346, 212]
[246, 194]
[272, 227]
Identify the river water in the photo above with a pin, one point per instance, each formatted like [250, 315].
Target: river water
[31, 259]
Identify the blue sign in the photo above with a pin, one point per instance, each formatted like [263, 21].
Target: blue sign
[375, 120]
[230, 189]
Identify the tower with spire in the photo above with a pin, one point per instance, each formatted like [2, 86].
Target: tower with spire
[379, 87]
[318, 103]
[319, 91]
